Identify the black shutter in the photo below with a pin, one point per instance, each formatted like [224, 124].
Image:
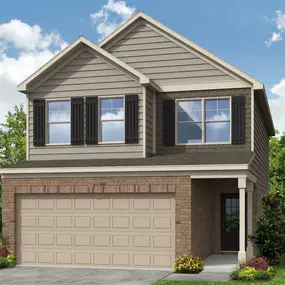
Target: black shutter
[91, 120]
[169, 122]
[39, 122]
[131, 119]
[77, 121]
[238, 120]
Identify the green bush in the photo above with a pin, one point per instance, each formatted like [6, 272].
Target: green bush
[3, 262]
[261, 275]
[188, 264]
[235, 274]
[11, 260]
[247, 274]
[250, 274]
[269, 233]
[271, 271]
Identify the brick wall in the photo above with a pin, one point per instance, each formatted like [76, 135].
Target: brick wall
[179, 186]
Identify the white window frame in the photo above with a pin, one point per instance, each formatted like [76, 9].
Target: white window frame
[99, 119]
[47, 121]
[203, 99]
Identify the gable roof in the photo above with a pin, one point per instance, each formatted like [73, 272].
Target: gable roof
[140, 15]
[256, 85]
[141, 78]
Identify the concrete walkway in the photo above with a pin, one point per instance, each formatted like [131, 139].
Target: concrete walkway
[217, 268]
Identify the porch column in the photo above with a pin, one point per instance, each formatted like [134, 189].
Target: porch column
[249, 190]
[242, 250]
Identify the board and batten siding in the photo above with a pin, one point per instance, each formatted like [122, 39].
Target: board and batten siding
[86, 75]
[161, 149]
[260, 164]
[163, 60]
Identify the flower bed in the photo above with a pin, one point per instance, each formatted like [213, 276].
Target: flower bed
[256, 269]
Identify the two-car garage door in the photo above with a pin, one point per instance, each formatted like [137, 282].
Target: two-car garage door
[121, 230]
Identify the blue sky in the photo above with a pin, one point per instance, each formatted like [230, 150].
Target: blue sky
[233, 30]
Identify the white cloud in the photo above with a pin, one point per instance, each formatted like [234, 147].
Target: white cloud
[23, 49]
[277, 105]
[275, 37]
[120, 12]
[280, 25]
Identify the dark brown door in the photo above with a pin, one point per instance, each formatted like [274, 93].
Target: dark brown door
[230, 222]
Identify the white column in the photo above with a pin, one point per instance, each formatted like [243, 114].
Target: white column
[242, 250]
[249, 190]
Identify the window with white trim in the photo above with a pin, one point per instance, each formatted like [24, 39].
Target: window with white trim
[112, 120]
[58, 121]
[203, 121]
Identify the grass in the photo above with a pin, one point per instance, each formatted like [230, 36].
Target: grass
[278, 280]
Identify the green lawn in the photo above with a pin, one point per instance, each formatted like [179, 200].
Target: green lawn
[278, 280]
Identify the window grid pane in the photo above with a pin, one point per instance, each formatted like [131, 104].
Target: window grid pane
[217, 120]
[58, 121]
[112, 119]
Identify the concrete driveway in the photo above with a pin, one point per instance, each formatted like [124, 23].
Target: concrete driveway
[22, 275]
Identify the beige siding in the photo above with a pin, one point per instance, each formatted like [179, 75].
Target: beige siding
[163, 60]
[161, 149]
[86, 75]
[260, 164]
[149, 121]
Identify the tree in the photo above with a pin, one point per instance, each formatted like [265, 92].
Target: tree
[269, 232]
[12, 142]
[277, 166]
[13, 137]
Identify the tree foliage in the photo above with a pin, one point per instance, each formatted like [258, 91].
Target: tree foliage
[12, 142]
[277, 166]
[13, 137]
[269, 232]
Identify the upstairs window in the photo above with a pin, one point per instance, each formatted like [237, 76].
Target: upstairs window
[203, 121]
[58, 121]
[112, 120]
[217, 120]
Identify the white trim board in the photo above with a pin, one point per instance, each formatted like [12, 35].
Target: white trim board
[140, 15]
[143, 80]
[118, 169]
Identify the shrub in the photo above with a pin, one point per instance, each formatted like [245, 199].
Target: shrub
[3, 262]
[269, 233]
[3, 251]
[11, 260]
[250, 274]
[235, 274]
[261, 275]
[271, 271]
[247, 274]
[258, 263]
[188, 264]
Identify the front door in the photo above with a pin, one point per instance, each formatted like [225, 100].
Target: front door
[230, 222]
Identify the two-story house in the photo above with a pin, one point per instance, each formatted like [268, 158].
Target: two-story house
[139, 149]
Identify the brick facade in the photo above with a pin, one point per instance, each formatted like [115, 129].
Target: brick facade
[179, 186]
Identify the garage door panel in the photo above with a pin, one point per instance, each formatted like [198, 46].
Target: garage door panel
[124, 230]
[28, 222]
[45, 204]
[46, 258]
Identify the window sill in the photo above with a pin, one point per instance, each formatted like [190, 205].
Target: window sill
[104, 143]
[212, 143]
[58, 144]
